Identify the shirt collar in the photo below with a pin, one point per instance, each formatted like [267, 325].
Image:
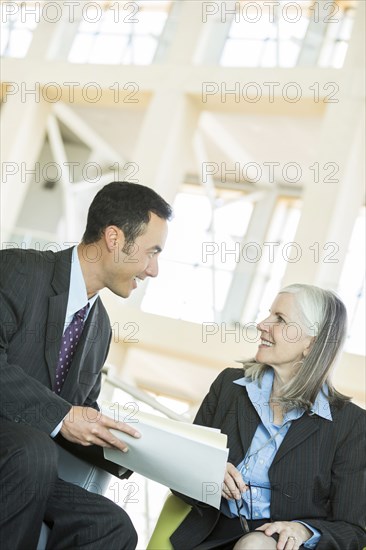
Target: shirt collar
[262, 394]
[78, 297]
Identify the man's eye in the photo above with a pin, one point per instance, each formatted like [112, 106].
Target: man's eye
[281, 319]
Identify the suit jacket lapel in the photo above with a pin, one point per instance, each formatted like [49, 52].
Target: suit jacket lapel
[300, 430]
[90, 334]
[248, 420]
[57, 309]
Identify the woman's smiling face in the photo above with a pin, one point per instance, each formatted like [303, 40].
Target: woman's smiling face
[284, 339]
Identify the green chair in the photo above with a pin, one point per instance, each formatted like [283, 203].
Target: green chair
[171, 516]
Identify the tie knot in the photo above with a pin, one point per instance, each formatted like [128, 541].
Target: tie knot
[82, 312]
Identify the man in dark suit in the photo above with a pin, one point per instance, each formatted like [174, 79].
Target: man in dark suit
[54, 339]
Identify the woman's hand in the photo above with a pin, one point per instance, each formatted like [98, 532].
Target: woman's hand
[292, 533]
[233, 485]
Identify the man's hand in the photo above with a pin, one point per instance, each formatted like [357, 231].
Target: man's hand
[233, 485]
[86, 426]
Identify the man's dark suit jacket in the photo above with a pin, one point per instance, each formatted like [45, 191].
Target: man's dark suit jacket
[34, 288]
[318, 473]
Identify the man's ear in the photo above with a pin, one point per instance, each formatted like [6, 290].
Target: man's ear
[113, 238]
[309, 346]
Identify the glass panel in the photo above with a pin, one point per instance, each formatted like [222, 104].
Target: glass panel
[81, 47]
[289, 52]
[326, 55]
[339, 54]
[140, 37]
[92, 19]
[16, 32]
[234, 217]
[142, 51]
[274, 260]
[261, 30]
[242, 53]
[298, 29]
[172, 276]
[335, 46]
[113, 24]
[19, 43]
[151, 23]
[197, 264]
[231, 224]
[356, 336]
[4, 36]
[269, 56]
[186, 235]
[289, 32]
[26, 21]
[200, 295]
[186, 292]
[347, 25]
[108, 49]
[352, 287]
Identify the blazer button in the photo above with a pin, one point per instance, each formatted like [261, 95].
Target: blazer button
[17, 419]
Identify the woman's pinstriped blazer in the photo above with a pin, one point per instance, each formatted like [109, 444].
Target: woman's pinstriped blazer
[318, 474]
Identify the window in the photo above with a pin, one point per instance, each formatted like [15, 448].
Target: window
[120, 36]
[260, 36]
[17, 26]
[201, 253]
[279, 250]
[265, 38]
[335, 45]
[352, 287]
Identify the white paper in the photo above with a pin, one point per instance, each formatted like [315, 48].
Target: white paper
[187, 458]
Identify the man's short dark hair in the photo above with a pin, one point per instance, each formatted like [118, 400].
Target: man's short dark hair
[126, 205]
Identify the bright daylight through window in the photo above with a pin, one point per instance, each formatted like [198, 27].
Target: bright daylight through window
[289, 34]
[123, 33]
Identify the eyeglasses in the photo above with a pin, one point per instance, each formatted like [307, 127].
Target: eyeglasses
[242, 518]
[240, 505]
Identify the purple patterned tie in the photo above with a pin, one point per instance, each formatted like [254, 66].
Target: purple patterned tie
[69, 342]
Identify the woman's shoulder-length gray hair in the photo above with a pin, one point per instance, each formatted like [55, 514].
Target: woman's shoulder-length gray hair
[324, 317]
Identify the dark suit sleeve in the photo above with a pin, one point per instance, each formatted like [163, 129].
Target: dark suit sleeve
[22, 398]
[209, 406]
[345, 529]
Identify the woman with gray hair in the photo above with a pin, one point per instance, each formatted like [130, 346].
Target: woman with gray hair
[295, 476]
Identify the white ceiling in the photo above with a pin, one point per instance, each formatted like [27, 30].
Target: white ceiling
[261, 138]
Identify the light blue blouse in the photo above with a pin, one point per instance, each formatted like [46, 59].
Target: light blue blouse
[255, 465]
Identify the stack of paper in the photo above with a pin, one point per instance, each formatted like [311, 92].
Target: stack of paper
[187, 458]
